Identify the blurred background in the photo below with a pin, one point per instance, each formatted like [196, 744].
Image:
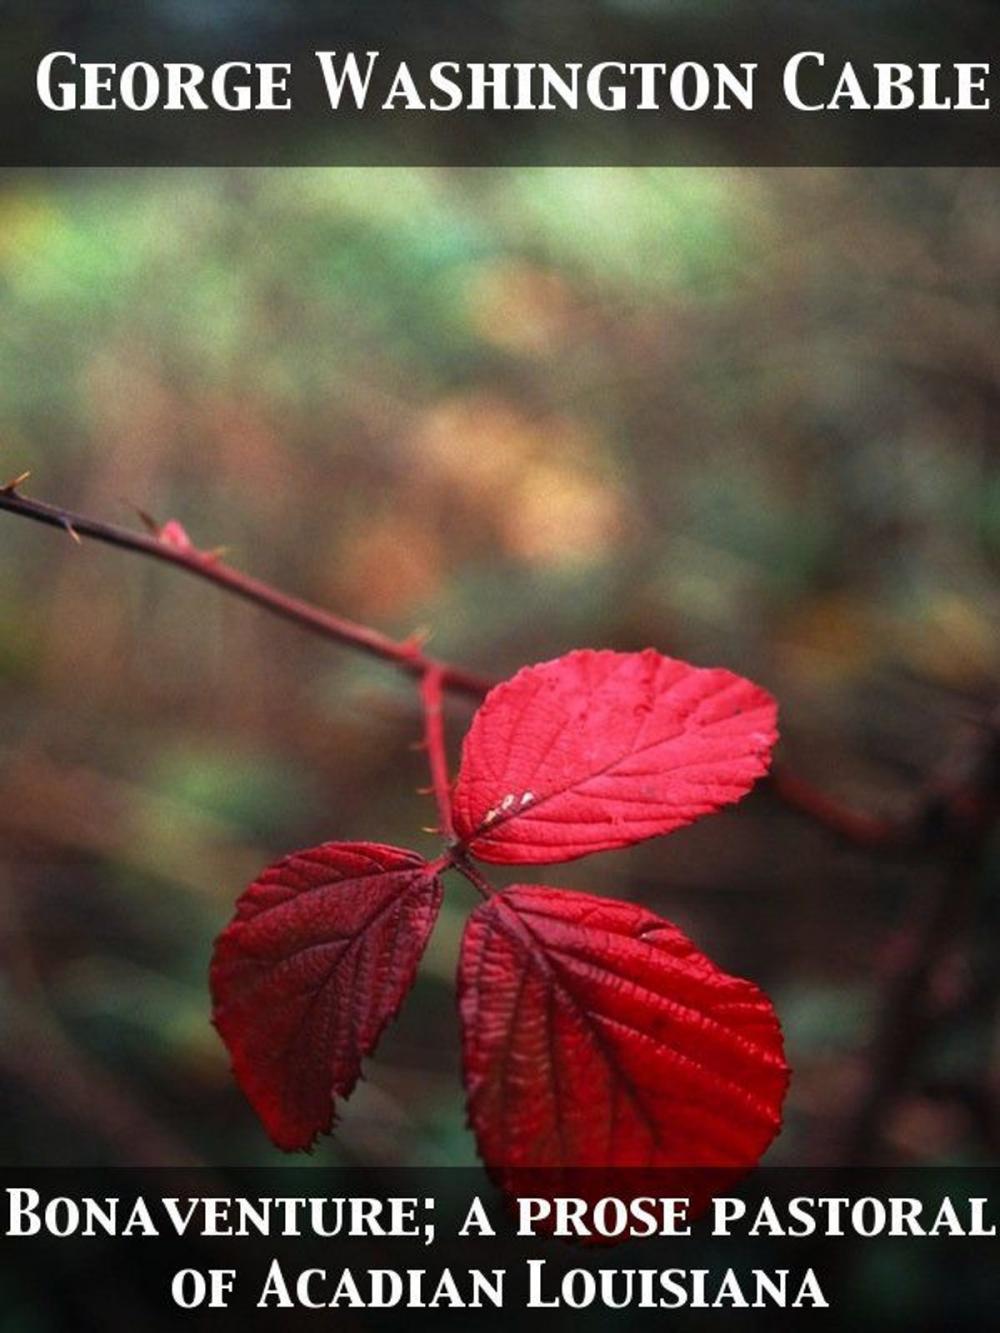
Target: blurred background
[745, 417]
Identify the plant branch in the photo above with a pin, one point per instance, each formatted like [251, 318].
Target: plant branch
[955, 825]
[174, 549]
[431, 696]
[170, 545]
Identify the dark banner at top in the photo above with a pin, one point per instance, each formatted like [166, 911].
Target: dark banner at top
[645, 82]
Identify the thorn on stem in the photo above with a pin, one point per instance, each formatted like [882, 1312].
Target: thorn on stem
[10, 487]
[72, 531]
[416, 641]
[148, 522]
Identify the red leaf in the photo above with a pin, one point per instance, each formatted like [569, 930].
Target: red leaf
[595, 1035]
[601, 749]
[317, 960]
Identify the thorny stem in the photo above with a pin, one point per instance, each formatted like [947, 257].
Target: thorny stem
[860, 829]
[432, 699]
[406, 654]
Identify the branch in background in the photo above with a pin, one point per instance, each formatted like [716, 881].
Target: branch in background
[955, 825]
[41, 1059]
[863, 830]
[171, 545]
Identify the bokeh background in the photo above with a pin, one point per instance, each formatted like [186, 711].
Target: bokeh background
[746, 417]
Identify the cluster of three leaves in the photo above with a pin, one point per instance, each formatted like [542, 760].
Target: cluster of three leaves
[594, 1033]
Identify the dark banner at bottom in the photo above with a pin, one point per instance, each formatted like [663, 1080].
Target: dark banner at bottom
[101, 1250]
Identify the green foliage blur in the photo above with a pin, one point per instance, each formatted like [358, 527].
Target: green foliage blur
[746, 417]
